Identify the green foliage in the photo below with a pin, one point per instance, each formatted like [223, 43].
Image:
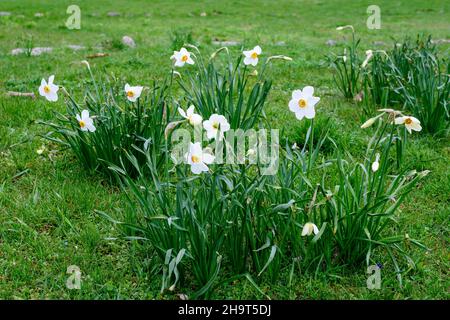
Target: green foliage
[120, 126]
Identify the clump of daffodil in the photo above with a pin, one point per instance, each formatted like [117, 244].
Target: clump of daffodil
[49, 90]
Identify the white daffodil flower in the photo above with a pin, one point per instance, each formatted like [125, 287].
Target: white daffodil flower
[133, 93]
[376, 164]
[369, 54]
[251, 56]
[193, 118]
[216, 126]
[181, 57]
[309, 228]
[49, 89]
[303, 102]
[198, 159]
[86, 123]
[410, 123]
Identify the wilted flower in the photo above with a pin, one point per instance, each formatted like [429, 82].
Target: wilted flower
[216, 126]
[181, 57]
[410, 123]
[133, 93]
[309, 228]
[303, 102]
[251, 56]
[86, 123]
[376, 164]
[48, 89]
[198, 159]
[193, 118]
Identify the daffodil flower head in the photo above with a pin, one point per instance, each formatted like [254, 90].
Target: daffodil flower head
[198, 159]
[252, 56]
[309, 228]
[216, 126]
[49, 89]
[410, 123]
[182, 57]
[193, 118]
[133, 93]
[376, 163]
[85, 122]
[303, 103]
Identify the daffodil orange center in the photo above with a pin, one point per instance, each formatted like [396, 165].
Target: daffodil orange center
[195, 159]
[82, 123]
[184, 58]
[302, 103]
[130, 94]
[46, 89]
[408, 121]
[254, 55]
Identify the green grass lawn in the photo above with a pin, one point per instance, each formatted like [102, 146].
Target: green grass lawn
[47, 201]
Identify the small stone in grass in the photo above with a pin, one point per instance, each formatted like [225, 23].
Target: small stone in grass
[331, 42]
[280, 43]
[76, 47]
[225, 43]
[113, 14]
[128, 41]
[439, 41]
[38, 14]
[379, 43]
[40, 50]
[4, 13]
[17, 51]
[203, 14]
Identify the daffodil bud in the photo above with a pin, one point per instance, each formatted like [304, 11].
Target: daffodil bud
[368, 123]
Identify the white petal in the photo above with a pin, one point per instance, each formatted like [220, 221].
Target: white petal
[195, 149]
[91, 127]
[293, 105]
[257, 49]
[299, 114]
[190, 110]
[84, 115]
[195, 119]
[208, 158]
[138, 91]
[179, 63]
[182, 113]
[52, 96]
[400, 120]
[416, 126]
[310, 112]
[312, 101]
[254, 62]
[207, 125]
[190, 61]
[247, 53]
[127, 87]
[297, 94]
[308, 91]
[78, 117]
[247, 61]
[51, 79]
[212, 133]
[316, 230]
[305, 230]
